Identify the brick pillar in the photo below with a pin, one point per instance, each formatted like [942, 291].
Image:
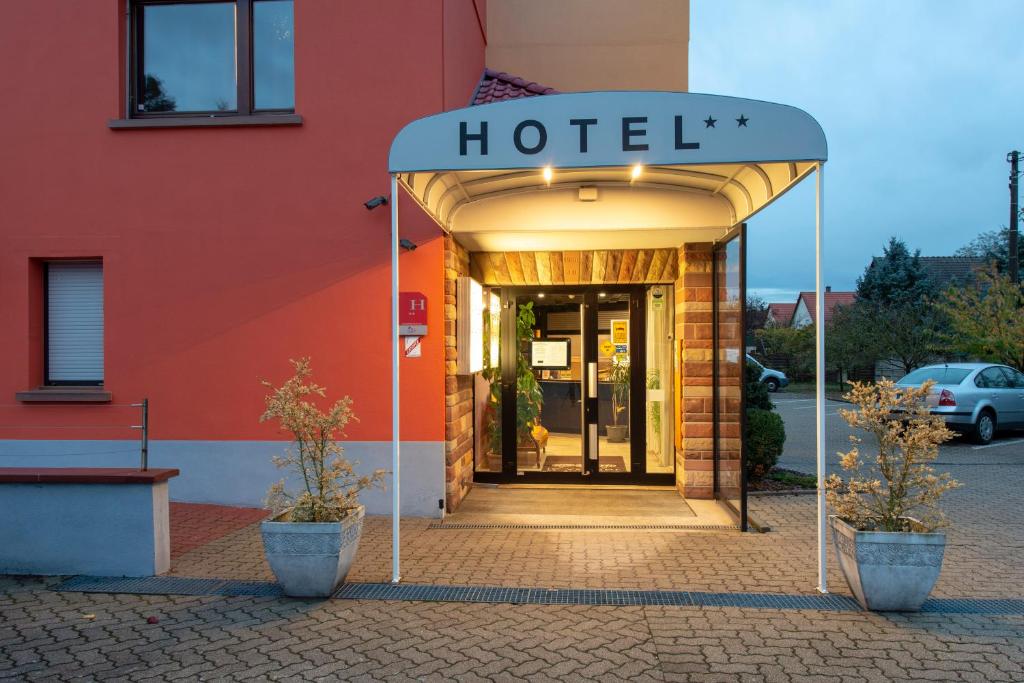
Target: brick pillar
[458, 389]
[694, 454]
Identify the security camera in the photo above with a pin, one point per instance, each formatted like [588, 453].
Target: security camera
[406, 244]
[379, 200]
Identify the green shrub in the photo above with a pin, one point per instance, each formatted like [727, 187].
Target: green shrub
[757, 392]
[765, 436]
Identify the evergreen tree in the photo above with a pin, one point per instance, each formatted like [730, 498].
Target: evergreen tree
[895, 278]
[895, 310]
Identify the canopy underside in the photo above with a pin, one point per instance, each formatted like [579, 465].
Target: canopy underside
[599, 208]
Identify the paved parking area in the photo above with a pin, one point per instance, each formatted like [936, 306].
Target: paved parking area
[46, 635]
[797, 411]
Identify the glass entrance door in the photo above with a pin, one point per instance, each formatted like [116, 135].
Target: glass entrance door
[581, 404]
[549, 389]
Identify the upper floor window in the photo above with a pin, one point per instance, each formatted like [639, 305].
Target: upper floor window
[212, 57]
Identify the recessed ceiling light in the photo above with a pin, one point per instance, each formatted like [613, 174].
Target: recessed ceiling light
[540, 295]
[601, 294]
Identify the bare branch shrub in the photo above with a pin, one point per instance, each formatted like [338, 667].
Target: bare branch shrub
[899, 490]
[331, 485]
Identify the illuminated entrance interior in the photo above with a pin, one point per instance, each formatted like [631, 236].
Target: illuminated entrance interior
[580, 392]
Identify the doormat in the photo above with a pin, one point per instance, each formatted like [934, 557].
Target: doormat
[569, 526]
[171, 585]
[571, 463]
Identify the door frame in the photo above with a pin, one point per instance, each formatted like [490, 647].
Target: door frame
[589, 335]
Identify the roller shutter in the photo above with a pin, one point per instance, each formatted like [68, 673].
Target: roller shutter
[74, 324]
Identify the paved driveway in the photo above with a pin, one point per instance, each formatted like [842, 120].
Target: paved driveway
[47, 635]
[797, 411]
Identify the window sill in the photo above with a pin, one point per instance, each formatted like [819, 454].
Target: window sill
[201, 121]
[64, 395]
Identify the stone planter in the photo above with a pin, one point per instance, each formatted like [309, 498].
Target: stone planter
[310, 559]
[616, 433]
[888, 571]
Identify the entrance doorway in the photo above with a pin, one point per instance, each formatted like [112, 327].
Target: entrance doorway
[584, 390]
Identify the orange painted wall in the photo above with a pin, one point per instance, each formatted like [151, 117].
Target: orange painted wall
[226, 250]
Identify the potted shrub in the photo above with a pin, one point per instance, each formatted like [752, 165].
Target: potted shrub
[619, 378]
[887, 520]
[311, 541]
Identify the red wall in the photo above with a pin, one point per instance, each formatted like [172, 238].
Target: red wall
[226, 250]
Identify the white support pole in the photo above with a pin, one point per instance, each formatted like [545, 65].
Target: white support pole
[819, 346]
[396, 575]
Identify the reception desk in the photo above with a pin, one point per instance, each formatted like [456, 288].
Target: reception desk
[562, 409]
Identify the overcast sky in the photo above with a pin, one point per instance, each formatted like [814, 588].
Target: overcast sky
[920, 102]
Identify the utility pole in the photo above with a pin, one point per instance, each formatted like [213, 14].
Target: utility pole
[1014, 159]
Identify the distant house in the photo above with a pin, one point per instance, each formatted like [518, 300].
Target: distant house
[806, 309]
[780, 315]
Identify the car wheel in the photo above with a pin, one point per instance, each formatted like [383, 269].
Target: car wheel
[985, 427]
[772, 384]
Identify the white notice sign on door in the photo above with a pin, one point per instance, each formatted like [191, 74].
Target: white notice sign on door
[550, 354]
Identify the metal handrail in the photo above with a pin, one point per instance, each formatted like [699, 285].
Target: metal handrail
[143, 427]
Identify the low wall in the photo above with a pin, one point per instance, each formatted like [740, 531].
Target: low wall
[240, 472]
[93, 521]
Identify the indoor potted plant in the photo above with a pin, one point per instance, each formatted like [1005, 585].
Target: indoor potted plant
[311, 541]
[886, 521]
[619, 378]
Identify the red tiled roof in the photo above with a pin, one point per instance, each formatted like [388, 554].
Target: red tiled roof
[832, 299]
[782, 314]
[496, 86]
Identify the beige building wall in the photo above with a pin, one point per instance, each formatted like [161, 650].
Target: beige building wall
[580, 45]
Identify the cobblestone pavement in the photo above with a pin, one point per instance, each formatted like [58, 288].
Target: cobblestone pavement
[194, 525]
[46, 635]
[983, 557]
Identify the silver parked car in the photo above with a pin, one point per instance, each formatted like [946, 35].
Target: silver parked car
[974, 398]
[773, 379]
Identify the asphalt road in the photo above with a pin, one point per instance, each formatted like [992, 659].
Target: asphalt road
[797, 411]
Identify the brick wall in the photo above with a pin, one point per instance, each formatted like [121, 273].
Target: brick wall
[694, 453]
[695, 391]
[458, 389]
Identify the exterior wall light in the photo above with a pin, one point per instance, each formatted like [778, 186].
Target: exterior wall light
[548, 174]
[635, 172]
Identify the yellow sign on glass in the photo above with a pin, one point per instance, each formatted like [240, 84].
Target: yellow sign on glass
[607, 348]
[620, 331]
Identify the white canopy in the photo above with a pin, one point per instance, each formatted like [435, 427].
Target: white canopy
[508, 175]
[605, 170]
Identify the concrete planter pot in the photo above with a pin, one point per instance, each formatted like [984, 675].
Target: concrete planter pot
[311, 559]
[616, 433]
[888, 571]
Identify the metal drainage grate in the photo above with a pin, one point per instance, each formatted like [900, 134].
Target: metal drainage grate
[151, 585]
[169, 585]
[583, 527]
[172, 585]
[995, 606]
[574, 596]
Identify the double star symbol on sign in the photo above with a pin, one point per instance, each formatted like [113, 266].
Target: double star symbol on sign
[741, 122]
